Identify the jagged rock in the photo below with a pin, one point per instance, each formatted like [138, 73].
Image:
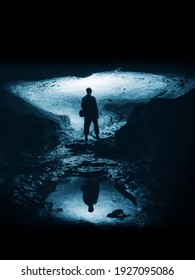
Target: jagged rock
[118, 214]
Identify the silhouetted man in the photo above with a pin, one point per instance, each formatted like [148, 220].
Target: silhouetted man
[90, 193]
[91, 114]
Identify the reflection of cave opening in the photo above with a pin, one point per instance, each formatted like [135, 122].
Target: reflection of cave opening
[90, 200]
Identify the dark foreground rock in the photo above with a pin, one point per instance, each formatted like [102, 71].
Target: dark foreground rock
[160, 136]
[25, 128]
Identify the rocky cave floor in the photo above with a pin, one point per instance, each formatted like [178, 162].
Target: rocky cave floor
[33, 179]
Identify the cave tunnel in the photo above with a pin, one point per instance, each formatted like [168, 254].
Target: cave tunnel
[142, 163]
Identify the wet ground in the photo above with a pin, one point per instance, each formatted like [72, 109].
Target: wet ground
[92, 200]
[51, 194]
[82, 184]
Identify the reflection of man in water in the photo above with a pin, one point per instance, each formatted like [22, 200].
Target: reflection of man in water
[90, 193]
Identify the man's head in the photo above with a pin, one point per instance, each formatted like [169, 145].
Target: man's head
[88, 90]
[90, 208]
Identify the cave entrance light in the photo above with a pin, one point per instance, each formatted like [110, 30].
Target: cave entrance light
[62, 95]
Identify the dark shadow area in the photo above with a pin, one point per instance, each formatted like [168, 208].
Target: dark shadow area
[75, 243]
[128, 195]
[160, 137]
[25, 128]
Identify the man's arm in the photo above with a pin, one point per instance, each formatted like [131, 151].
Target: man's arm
[82, 103]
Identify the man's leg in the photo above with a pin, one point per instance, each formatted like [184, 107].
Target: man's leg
[96, 127]
[87, 123]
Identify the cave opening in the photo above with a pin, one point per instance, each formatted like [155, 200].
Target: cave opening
[116, 88]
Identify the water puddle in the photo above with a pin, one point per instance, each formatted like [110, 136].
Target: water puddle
[79, 200]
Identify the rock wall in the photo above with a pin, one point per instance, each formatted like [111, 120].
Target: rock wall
[25, 127]
[161, 130]
[161, 136]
